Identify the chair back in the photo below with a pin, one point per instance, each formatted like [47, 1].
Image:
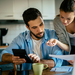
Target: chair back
[0, 71]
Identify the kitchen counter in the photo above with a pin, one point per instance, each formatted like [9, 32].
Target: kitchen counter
[3, 47]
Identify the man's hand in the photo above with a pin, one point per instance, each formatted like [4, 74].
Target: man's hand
[17, 60]
[12, 59]
[34, 57]
[50, 63]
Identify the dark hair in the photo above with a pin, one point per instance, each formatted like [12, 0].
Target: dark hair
[67, 6]
[30, 14]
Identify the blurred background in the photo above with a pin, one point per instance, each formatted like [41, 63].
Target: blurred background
[11, 22]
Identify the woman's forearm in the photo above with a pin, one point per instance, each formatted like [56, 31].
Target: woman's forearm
[63, 46]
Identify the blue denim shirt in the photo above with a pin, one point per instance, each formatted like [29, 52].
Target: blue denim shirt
[24, 41]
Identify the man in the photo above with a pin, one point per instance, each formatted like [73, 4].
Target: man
[34, 42]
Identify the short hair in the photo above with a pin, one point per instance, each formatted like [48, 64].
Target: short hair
[67, 6]
[30, 14]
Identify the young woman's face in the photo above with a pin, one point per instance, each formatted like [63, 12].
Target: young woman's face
[66, 17]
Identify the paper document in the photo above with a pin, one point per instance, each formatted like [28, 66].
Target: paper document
[62, 69]
[64, 57]
[67, 73]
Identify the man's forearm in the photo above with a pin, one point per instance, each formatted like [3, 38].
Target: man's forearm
[50, 63]
[7, 58]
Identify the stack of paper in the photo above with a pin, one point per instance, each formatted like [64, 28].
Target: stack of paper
[64, 57]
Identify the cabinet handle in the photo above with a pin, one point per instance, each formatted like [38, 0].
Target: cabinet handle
[45, 16]
[9, 16]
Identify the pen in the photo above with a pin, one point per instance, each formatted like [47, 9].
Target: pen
[69, 69]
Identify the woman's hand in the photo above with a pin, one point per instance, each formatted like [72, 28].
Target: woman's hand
[71, 61]
[52, 42]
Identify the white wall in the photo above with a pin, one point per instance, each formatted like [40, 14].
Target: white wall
[13, 31]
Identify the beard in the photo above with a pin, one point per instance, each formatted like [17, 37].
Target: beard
[37, 35]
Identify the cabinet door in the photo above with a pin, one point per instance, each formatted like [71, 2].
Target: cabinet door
[19, 6]
[57, 6]
[48, 7]
[6, 9]
[35, 4]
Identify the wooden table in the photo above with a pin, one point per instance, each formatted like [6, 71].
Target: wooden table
[5, 72]
[45, 72]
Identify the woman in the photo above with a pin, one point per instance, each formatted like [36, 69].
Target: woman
[64, 25]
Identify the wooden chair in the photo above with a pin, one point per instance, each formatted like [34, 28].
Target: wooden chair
[15, 69]
[7, 72]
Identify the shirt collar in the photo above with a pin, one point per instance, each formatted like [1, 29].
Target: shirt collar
[28, 36]
[45, 37]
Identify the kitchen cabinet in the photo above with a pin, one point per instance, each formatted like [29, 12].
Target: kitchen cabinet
[57, 6]
[35, 4]
[13, 9]
[18, 8]
[6, 9]
[48, 9]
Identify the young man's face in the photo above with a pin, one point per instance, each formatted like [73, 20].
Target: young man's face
[36, 28]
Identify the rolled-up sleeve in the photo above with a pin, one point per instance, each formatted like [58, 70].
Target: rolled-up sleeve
[13, 45]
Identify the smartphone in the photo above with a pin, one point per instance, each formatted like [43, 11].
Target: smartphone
[22, 54]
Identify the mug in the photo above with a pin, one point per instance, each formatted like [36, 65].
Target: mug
[38, 68]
